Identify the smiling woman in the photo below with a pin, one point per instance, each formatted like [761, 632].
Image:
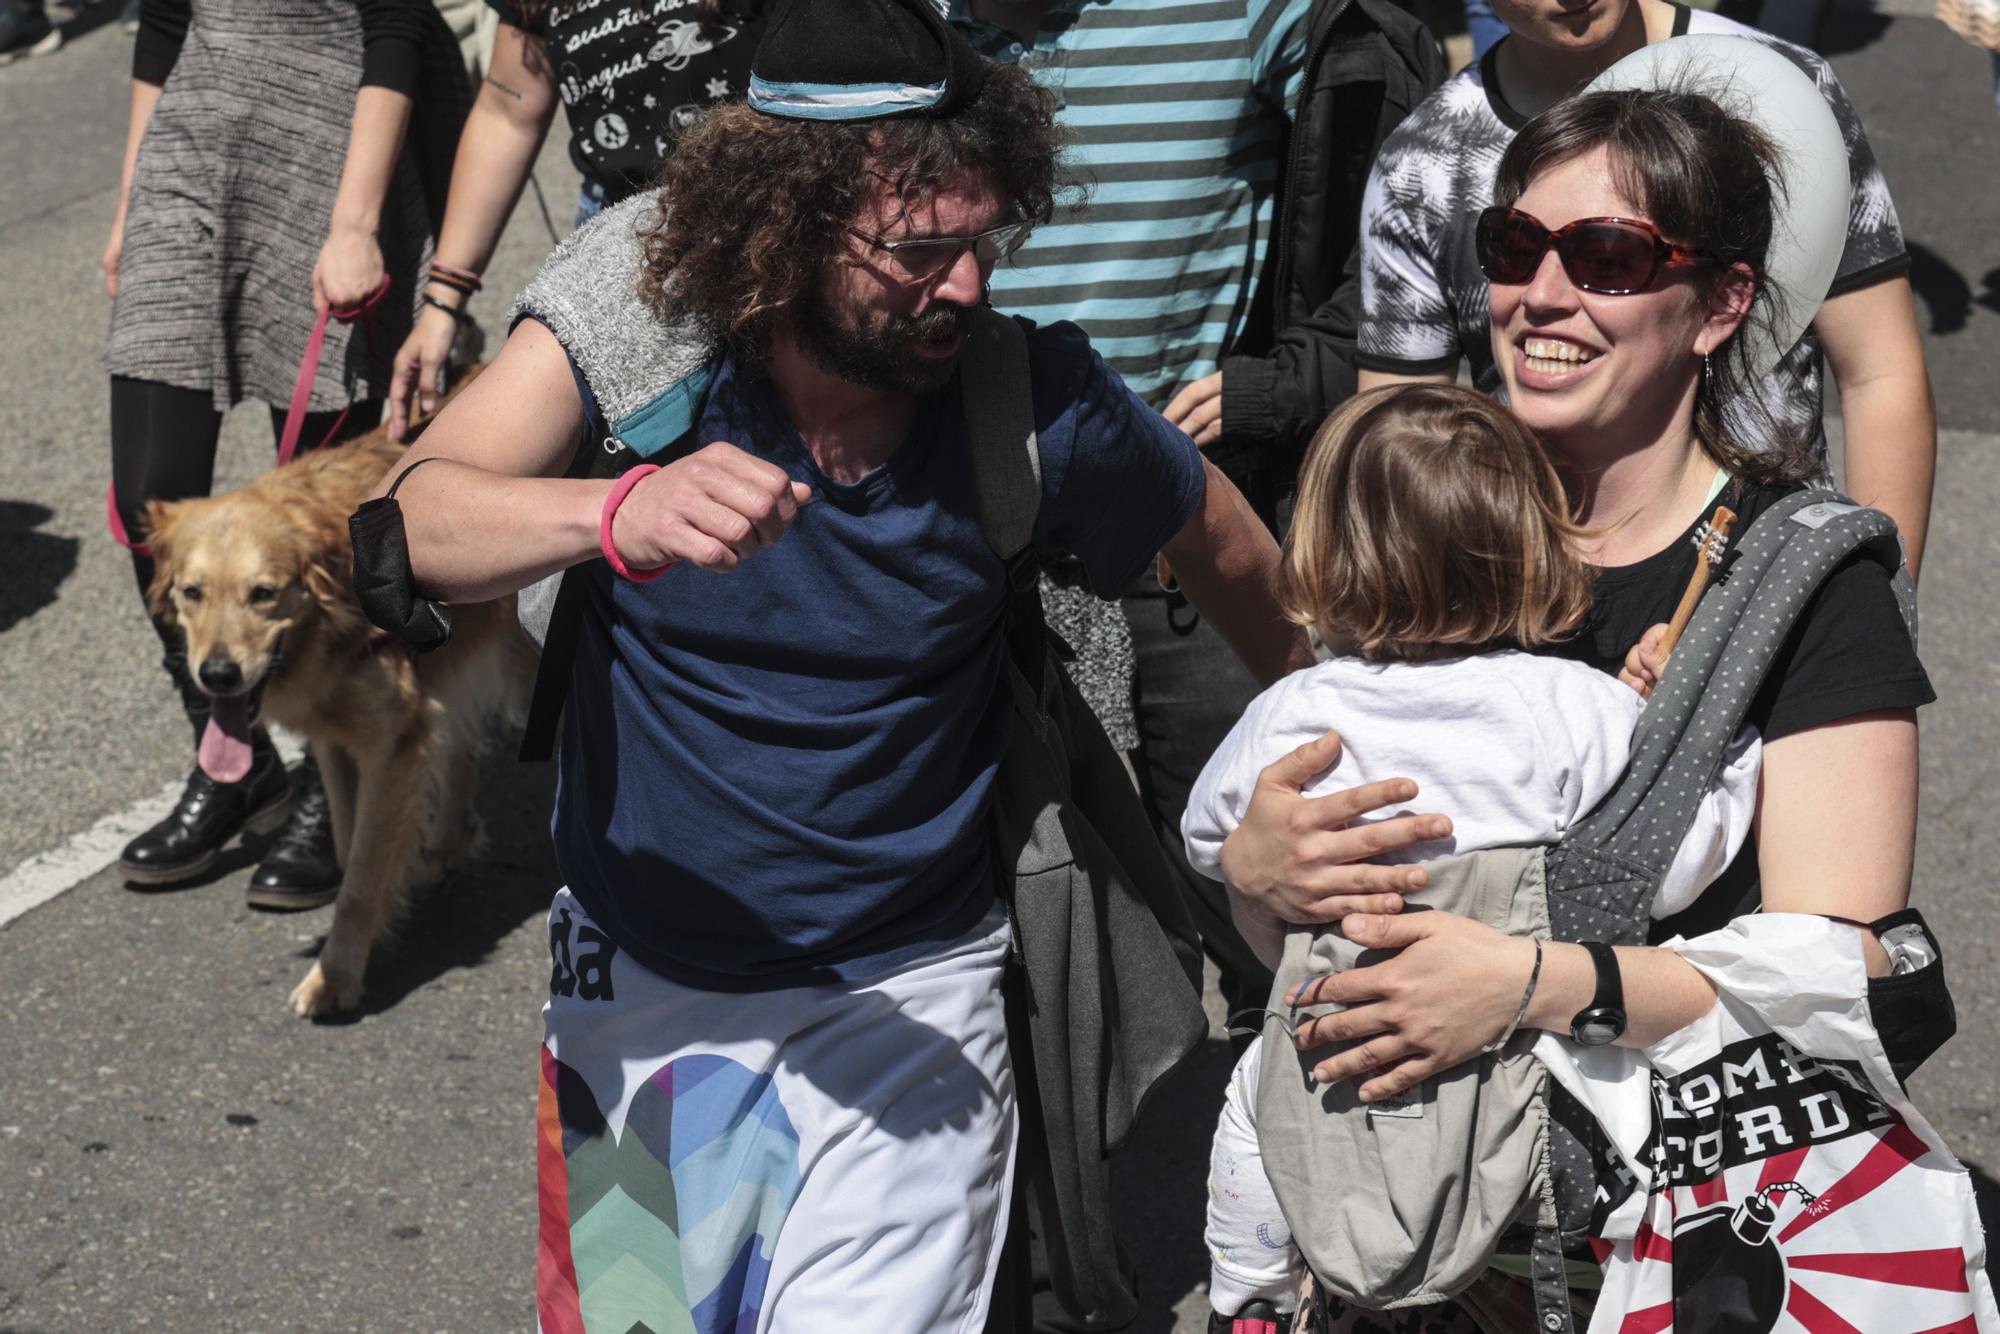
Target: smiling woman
[1625, 408]
[1614, 270]
[1618, 341]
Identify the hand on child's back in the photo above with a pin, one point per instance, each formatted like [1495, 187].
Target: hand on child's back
[1646, 663]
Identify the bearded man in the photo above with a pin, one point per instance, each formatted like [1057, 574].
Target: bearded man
[776, 1084]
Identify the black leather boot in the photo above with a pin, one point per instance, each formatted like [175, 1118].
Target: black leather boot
[206, 817]
[300, 869]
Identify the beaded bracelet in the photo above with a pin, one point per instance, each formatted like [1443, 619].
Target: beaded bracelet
[621, 489]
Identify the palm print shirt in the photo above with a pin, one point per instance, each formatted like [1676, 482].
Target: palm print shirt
[1423, 298]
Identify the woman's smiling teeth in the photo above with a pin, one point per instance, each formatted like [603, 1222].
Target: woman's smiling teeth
[1552, 356]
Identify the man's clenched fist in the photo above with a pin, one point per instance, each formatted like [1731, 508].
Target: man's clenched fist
[713, 509]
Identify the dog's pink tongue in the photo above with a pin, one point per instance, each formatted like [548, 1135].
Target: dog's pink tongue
[225, 743]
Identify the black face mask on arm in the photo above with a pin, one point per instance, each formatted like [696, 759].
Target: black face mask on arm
[382, 579]
[1911, 1007]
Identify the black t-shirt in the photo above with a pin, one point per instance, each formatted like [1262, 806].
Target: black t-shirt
[633, 75]
[1848, 654]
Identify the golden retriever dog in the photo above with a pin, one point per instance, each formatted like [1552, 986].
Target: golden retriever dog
[260, 581]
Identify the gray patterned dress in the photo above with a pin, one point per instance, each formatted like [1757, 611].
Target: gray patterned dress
[231, 199]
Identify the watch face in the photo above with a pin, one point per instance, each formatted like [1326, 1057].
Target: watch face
[1598, 1027]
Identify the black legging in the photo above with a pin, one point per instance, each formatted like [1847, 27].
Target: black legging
[163, 448]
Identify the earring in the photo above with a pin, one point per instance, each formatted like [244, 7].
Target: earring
[1707, 375]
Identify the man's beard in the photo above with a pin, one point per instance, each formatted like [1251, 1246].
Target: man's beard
[884, 356]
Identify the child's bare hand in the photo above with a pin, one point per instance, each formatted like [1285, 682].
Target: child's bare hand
[1646, 663]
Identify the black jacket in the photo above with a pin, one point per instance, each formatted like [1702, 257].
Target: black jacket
[1368, 64]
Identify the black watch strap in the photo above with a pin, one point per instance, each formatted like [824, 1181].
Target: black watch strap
[1610, 982]
[1603, 1020]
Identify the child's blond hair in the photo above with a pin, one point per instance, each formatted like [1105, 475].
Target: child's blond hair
[1430, 523]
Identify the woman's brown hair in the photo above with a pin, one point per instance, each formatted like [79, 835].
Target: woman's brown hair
[754, 207]
[1705, 178]
[1430, 523]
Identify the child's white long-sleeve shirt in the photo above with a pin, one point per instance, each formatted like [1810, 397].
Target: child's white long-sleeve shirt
[1512, 746]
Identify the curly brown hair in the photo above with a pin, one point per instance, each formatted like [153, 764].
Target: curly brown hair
[754, 206]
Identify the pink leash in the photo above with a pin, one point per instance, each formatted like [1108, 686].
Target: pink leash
[295, 415]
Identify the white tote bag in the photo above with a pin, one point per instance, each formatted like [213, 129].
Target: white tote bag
[1786, 1184]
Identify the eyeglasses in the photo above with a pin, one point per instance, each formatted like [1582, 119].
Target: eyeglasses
[922, 258]
[1608, 256]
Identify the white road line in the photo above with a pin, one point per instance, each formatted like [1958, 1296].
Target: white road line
[47, 875]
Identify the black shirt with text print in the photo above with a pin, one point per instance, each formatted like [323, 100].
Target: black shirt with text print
[633, 76]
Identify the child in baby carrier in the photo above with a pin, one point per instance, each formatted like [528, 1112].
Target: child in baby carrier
[1432, 553]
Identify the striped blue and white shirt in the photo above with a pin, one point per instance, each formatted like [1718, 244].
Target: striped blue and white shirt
[1176, 111]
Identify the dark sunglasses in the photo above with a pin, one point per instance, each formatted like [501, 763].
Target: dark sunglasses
[922, 258]
[1608, 256]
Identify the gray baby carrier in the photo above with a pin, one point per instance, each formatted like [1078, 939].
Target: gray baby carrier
[1405, 1202]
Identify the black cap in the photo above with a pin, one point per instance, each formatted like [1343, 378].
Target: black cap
[862, 60]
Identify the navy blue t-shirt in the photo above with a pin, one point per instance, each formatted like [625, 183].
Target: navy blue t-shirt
[781, 774]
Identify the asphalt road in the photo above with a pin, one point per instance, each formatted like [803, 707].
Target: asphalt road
[178, 1152]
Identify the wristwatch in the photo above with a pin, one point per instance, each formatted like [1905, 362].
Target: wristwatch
[1603, 1020]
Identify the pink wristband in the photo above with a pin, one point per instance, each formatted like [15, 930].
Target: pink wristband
[619, 490]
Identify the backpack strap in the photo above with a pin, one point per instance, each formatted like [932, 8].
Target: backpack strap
[1608, 867]
[594, 458]
[1605, 873]
[1007, 466]
[1000, 419]
[600, 454]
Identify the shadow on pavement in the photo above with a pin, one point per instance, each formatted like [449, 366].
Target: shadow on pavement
[1990, 298]
[1851, 27]
[36, 563]
[1942, 288]
[459, 924]
[88, 18]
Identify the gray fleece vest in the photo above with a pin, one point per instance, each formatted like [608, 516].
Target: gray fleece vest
[648, 374]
